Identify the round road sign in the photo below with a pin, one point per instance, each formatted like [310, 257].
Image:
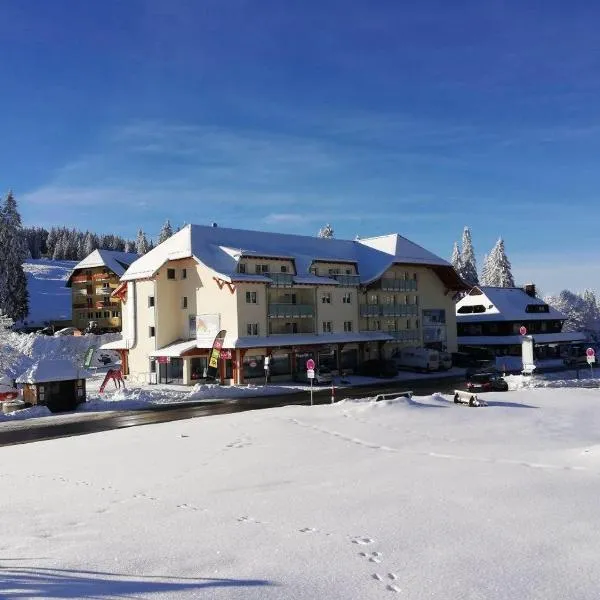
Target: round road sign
[590, 352]
[523, 330]
[310, 364]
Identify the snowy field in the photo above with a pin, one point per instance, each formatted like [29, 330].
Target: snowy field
[49, 298]
[414, 499]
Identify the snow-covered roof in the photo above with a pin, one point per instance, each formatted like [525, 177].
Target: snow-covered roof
[504, 304]
[121, 344]
[220, 249]
[515, 340]
[117, 262]
[176, 349]
[52, 370]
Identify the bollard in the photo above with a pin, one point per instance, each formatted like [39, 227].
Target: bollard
[332, 392]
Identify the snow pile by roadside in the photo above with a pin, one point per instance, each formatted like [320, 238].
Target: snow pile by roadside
[22, 350]
[27, 413]
[551, 380]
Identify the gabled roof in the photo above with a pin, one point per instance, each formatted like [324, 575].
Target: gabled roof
[52, 370]
[117, 262]
[220, 249]
[504, 304]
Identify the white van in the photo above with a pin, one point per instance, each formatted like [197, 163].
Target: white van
[417, 359]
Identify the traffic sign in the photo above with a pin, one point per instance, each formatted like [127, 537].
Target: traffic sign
[590, 352]
[310, 373]
[310, 365]
[523, 330]
[591, 359]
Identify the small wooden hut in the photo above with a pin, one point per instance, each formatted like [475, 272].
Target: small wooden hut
[57, 384]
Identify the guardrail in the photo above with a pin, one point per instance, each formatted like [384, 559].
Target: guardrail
[393, 395]
[462, 397]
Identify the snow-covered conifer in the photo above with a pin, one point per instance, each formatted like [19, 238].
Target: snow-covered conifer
[166, 232]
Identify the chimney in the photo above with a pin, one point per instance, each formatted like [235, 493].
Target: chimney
[530, 289]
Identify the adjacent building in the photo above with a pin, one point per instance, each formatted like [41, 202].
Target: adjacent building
[285, 297]
[493, 317]
[92, 282]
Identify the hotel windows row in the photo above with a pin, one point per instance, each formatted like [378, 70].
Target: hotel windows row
[326, 298]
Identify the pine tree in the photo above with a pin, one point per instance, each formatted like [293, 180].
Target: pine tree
[485, 271]
[14, 297]
[129, 247]
[166, 232]
[455, 259]
[497, 268]
[326, 232]
[467, 259]
[141, 243]
[88, 244]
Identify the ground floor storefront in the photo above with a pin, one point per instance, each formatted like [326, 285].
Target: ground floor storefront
[255, 365]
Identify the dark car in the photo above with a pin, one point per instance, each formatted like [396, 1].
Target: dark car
[487, 382]
[379, 368]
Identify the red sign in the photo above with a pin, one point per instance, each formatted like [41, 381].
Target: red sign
[162, 360]
[310, 364]
[226, 354]
[590, 352]
[523, 330]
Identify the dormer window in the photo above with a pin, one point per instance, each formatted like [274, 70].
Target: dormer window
[242, 268]
[284, 269]
[262, 268]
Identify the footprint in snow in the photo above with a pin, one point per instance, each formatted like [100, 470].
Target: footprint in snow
[363, 541]
[393, 588]
[307, 530]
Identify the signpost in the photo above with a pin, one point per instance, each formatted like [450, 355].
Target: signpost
[310, 373]
[591, 359]
[267, 361]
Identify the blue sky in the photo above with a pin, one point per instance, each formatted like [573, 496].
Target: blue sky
[376, 116]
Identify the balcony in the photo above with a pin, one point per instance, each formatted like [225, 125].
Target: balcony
[102, 291]
[80, 278]
[346, 280]
[280, 279]
[291, 311]
[302, 327]
[100, 277]
[103, 304]
[389, 310]
[399, 285]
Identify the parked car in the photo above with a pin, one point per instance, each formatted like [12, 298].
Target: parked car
[417, 359]
[445, 361]
[487, 382]
[323, 376]
[379, 368]
[67, 331]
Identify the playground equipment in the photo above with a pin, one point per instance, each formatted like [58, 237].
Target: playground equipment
[116, 376]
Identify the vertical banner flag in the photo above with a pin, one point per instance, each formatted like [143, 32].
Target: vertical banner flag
[215, 354]
[87, 361]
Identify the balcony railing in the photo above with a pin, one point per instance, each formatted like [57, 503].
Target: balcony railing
[346, 280]
[80, 305]
[389, 310]
[102, 291]
[399, 285]
[281, 279]
[100, 276]
[290, 311]
[80, 278]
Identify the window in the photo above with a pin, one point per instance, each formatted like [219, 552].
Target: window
[251, 298]
[106, 314]
[314, 270]
[151, 331]
[326, 298]
[334, 271]
[252, 328]
[291, 327]
[115, 314]
[241, 268]
[170, 273]
[150, 301]
[417, 324]
[347, 298]
[407, 323]
[327, 327]
[373, 299]
[262, 268]
[284, 269]
[183, 273]
[184, 302]
[98, 315]
[152, 365]
[348, 271]
[347, 326]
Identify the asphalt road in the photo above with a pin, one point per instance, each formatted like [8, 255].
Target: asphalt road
[162, 414]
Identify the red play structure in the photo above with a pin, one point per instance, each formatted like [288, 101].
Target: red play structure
[116, 376]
